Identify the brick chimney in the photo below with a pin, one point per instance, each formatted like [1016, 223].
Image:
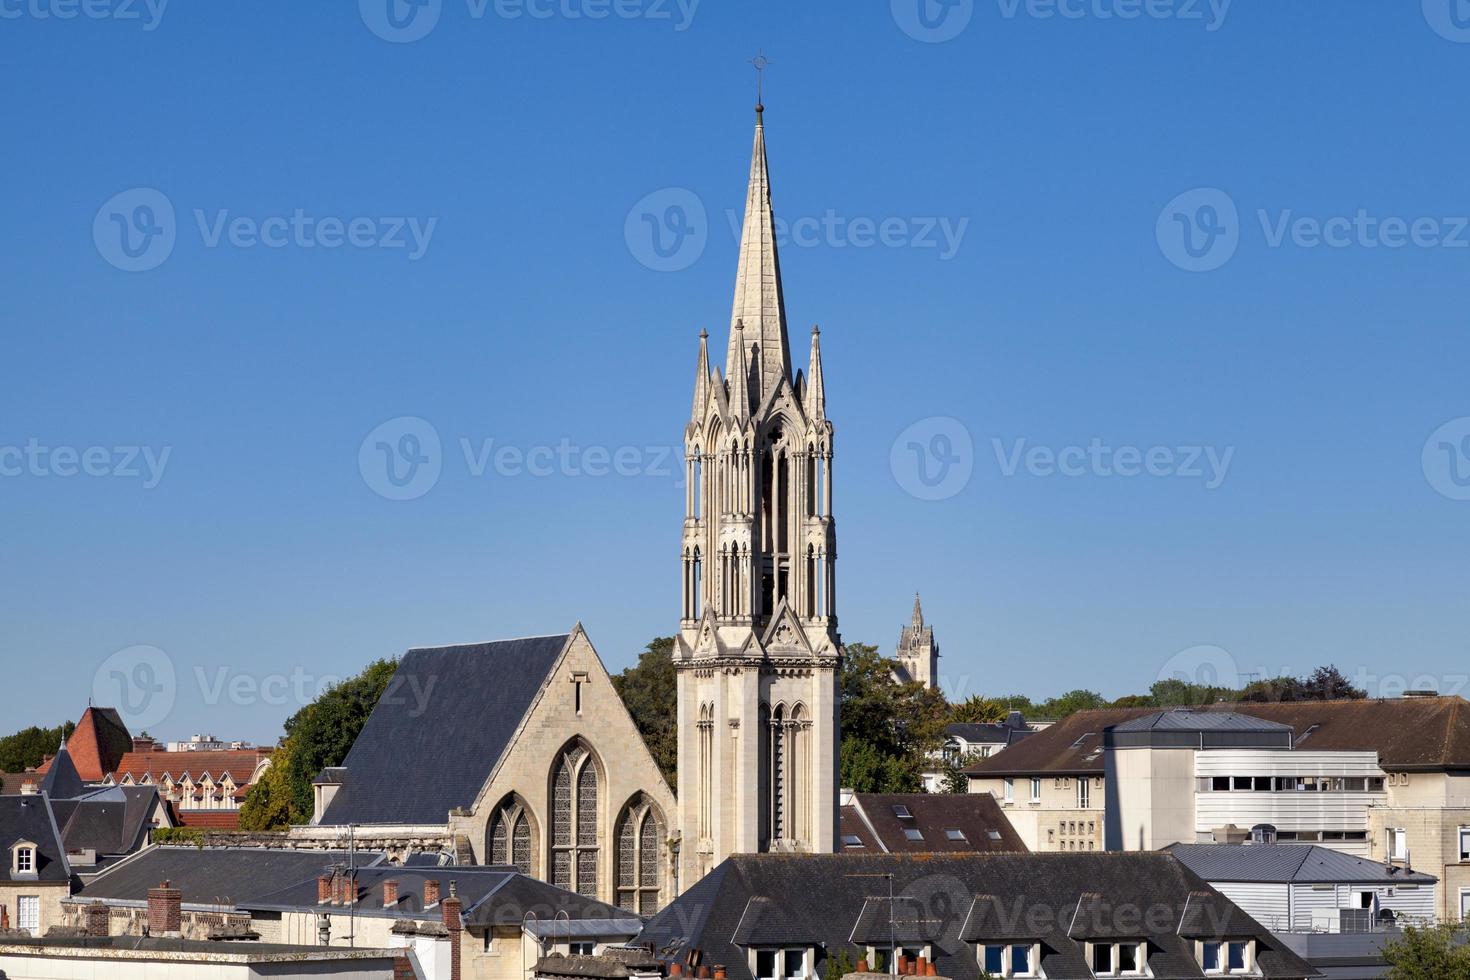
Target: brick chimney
[390, 893]
[455, 925]
[324, 888]
[431, 892]
[29, 788]
[349, 888]
[95, 918]
[165, 910]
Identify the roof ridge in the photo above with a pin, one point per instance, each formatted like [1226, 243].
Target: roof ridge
[486, 643]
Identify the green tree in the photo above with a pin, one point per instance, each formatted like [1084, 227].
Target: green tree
[888, 729]
[317, 737]
[1070, 703]
[977, 710]
[29, 747]
[1429, 953]
[1323, 684]
[649, 690]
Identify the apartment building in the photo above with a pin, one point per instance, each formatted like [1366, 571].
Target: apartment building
[1385, 780]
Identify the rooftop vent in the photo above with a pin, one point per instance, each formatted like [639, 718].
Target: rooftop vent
[1421, 694]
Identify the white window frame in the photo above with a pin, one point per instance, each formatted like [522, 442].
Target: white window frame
[1140, 959]
[1084, 794]
[1009, 790]
[779, 955]
[1035, 789]
[23, 862]
[1464, 838]
[28, 914]
[1008, 958]
[1223, 968]
[1397, 835]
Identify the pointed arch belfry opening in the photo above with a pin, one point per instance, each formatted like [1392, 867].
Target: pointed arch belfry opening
[576, 777]
[640, 860]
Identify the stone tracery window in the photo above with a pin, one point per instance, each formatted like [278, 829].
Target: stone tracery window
[574, 846]
[640, 857]
[510, 836]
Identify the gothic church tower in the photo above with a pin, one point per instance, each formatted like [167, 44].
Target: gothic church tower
[758, 654]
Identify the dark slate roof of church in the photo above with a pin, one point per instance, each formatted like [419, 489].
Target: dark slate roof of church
[110, 821]
[29, 818]
[953, 902]
[61, 781]
[439, 729]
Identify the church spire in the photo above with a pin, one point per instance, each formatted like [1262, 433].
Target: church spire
[815, 395]
[701, 379]
[738, 372]
[918, 613]
[758, 297]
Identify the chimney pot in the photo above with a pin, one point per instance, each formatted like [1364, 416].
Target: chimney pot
[431, 892]
[96, 916]
[719, 973]
[165, 910]
[324, 889]
[390, 893]
[862, 966]
[676, 969]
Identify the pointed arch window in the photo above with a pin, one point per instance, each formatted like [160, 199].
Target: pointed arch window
[574, 849]
[640, 858]
[510, 837]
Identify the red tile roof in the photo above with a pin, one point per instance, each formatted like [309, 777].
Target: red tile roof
[208, 819]
[239, 763]
[100, 740]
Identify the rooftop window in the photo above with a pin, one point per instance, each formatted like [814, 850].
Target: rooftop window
[902, 812]
[851, 840]
[955, 835]
[913, 833]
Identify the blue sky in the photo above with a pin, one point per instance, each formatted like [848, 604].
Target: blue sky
[1067, 150]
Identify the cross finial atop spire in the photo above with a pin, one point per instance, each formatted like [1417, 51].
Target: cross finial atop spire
[761, 63]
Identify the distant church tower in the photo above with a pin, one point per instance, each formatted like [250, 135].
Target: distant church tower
[918, 654]
[758, 654]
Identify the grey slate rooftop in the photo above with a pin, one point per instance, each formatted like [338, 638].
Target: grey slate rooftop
[29, 818]
[1289, 863]
[439, 729]
[1199, 721]
[211, 876]
[953, 902]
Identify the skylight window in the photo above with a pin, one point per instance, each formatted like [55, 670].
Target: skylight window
[955, 835]
[902, 812]
[913, 833]
[851, 840]
[993, 834]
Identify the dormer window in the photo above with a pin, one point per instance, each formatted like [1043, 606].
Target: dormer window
[23, 859]
[1118, 959]
[1011, 960]
[1230, 958]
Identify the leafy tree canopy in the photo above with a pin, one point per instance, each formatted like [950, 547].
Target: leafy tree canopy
[29, 747]
[317, 737]
[1430, 953]
[649, 691]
